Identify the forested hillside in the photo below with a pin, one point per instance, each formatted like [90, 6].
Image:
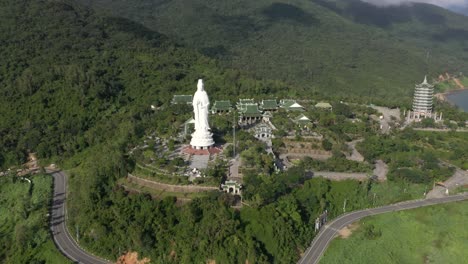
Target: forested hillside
[344, 47]
[69, 79]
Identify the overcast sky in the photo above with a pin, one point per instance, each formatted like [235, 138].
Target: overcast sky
[444, 3]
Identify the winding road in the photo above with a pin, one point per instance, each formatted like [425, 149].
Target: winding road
[329, 231]
[68, 246]
[62, 238]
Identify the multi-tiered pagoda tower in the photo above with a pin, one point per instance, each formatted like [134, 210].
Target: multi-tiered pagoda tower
[422, 103]
[422, 100]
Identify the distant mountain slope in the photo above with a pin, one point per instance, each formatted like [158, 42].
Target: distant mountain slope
[338, 47]
[70, 79]
[460, 9]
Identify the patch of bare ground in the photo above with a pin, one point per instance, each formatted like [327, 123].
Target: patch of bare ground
[132, 258]
[173, 255]
[211, 261]
[346, 231]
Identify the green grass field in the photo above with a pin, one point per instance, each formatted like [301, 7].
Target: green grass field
[24, 234]
[435, 234]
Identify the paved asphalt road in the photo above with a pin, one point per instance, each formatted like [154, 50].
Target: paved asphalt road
[71, 250]
[62, 238]
[329, 231]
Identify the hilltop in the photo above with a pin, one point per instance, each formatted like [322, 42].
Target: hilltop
[348, 48]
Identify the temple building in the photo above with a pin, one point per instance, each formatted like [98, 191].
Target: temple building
[249, 114]
[291, 105]
[422, 101]
[324, 106]
[221, 107]
[302, 120]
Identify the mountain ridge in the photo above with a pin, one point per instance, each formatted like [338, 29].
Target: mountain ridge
[333, 47]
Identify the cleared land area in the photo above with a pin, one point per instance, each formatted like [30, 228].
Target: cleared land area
[434, 234]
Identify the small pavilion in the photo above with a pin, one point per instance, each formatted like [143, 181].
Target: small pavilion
[324, 106]
[291, 105]
[302, 120]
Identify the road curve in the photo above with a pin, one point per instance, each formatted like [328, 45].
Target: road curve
[329, 231]
[62, 238]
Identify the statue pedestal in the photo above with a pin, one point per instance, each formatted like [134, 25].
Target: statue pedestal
[202, 140]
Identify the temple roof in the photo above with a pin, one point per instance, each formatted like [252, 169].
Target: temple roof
[182, 99]
[303, 118]
[425, 84]
[295, 105]
[246, 101]
[287, 102]
[222, 106]
[269, 104]
[250, 110]
[323, 105]
[231, 183]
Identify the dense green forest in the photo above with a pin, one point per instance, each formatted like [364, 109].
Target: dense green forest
[275, 226]
[70, 79]
[344, 47]
[76, 88]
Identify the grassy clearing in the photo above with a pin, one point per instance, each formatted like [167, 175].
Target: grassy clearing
[24, 234]
[389, 192]
[434, 234]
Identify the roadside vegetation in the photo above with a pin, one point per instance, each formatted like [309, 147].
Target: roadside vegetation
[434, 234]
[24, 221]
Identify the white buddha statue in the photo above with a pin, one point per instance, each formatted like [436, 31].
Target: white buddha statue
[202, 138]
[201, 105]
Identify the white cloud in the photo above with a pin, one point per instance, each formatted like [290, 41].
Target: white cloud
[443, 3]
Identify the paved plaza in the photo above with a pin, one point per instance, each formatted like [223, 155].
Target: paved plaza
[199, 161]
